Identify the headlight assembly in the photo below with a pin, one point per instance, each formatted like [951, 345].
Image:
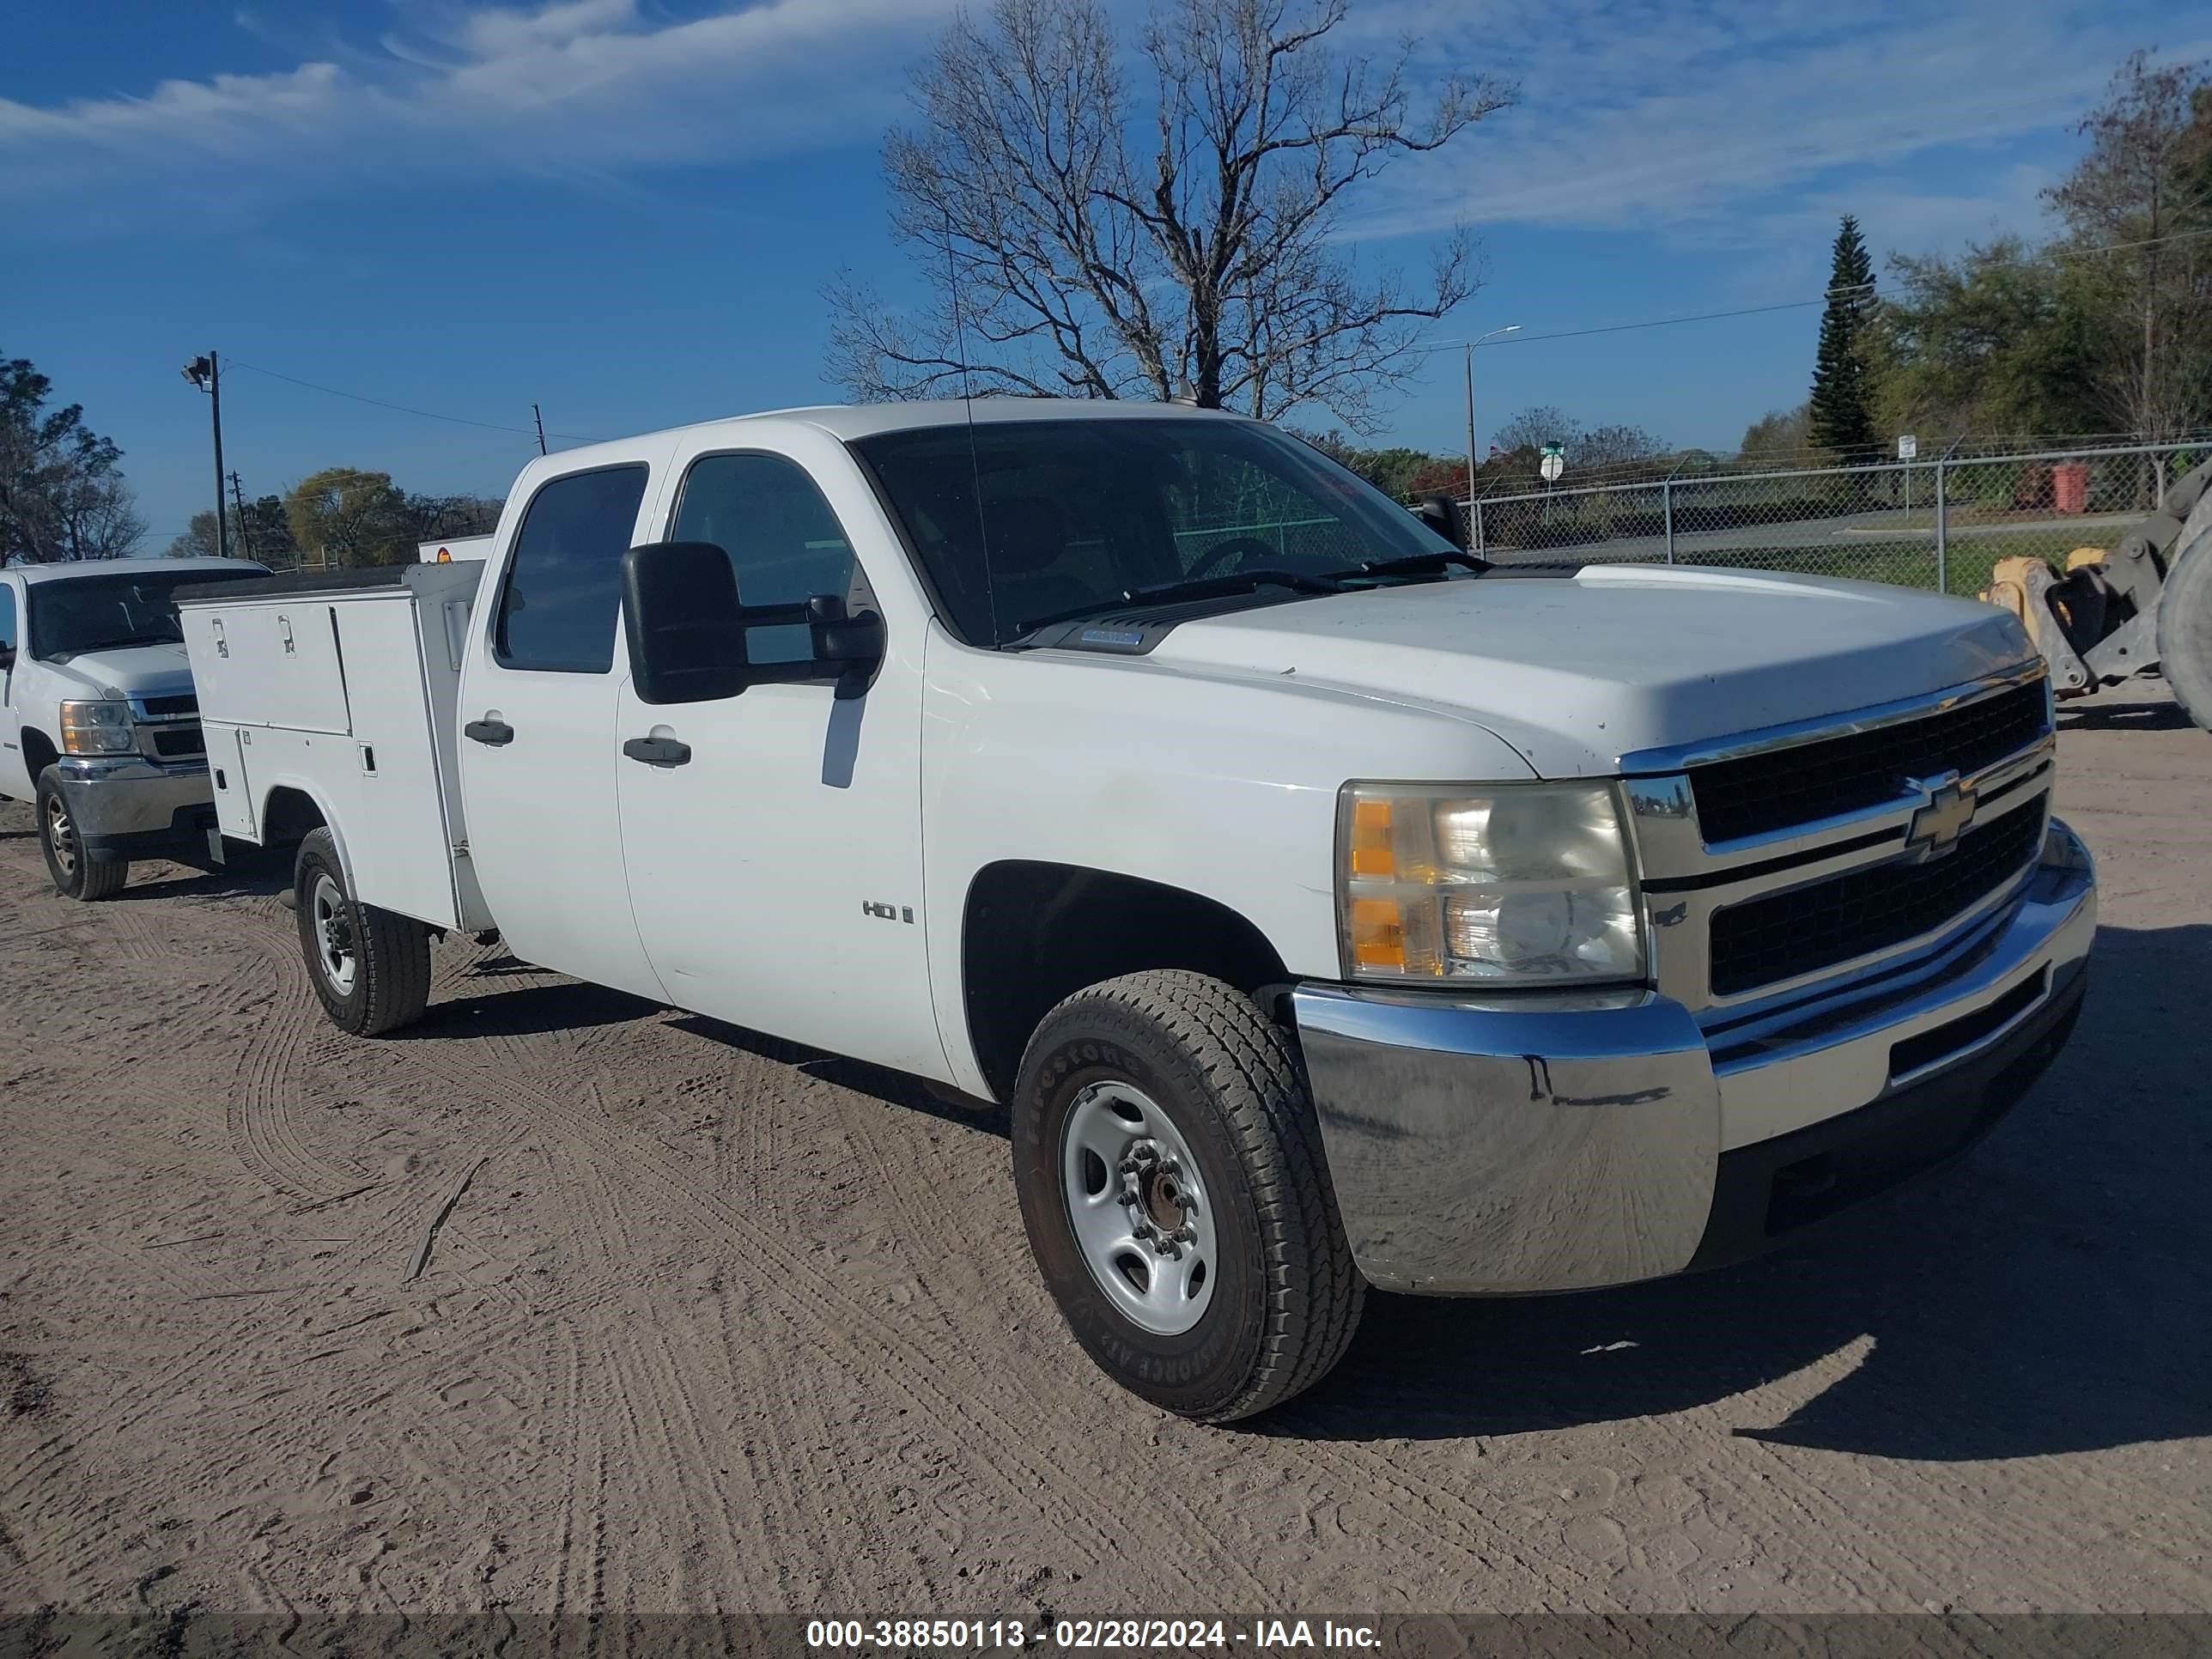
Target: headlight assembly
[1522, 883]
[97, 728]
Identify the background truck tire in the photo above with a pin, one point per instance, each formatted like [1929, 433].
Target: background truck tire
[2184, 629]
[76, 875]
[1196, 1060]
[371, 968]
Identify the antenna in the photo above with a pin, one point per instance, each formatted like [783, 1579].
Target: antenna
[967, 407]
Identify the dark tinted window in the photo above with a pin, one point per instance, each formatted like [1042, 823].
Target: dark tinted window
[1069, 512]
[784, 543]
[70, 614]
[6, 617]
[564, 587]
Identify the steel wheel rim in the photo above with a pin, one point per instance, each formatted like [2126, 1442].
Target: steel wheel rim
[334, 946]
[1138, 1206]
[61, 834]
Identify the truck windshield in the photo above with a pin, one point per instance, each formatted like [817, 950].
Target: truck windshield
[1046, 519]
[70, 614]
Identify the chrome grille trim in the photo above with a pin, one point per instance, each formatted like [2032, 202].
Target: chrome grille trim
[1687, 880]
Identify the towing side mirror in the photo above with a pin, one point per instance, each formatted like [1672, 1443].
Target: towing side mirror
[1444, 515]
[7, 657]
[686, 629]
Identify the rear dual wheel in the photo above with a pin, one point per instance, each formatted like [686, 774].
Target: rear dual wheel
[1177, 1197]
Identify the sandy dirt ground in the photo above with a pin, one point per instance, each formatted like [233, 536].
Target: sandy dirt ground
[720, 1325]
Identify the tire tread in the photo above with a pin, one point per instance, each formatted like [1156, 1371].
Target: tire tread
[1315, 1293]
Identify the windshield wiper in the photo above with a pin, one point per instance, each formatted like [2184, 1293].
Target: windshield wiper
[125, 642]
[1200, 587]
[1414, 564]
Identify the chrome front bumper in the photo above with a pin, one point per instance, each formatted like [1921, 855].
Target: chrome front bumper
[123, 803]
[1518, 1143]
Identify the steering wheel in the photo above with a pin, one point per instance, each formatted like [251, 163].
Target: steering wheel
[1244, 549]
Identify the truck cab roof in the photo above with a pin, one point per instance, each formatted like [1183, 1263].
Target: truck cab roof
[63, 572]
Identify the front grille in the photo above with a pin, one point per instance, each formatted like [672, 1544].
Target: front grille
[161, 708]
[1764, 940]
[1782, 787]
[174, 741]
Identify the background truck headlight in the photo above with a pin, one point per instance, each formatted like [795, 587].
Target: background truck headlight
[98, 728]
[1523, 883]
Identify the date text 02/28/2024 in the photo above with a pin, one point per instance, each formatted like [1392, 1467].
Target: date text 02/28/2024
[1086, 1634]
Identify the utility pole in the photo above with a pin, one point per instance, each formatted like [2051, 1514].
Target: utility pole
[245, 535]
[206, 374]
[1495, 333]
[540, 419]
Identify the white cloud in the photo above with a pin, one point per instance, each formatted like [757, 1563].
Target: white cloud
[1647, 114]
[579, 85]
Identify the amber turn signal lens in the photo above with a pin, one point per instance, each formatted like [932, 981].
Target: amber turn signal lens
[1371, 853]
[1378, 933]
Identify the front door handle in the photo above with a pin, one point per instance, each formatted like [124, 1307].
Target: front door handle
[658, 751]
[494, 732]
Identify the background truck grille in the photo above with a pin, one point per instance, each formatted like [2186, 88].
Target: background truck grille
[1784, 787]
[161, 708]
[1766, 940]
[174, 741]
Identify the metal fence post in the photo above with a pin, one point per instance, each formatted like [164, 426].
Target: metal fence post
[1477, 504]
[1666, 511]
[1943, 525]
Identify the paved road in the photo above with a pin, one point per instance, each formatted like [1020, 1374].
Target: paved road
[715, 1324]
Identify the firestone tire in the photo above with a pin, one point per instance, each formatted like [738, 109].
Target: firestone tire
[370, 969]
[2184, 629]
[76, 873]
[1206, 1100]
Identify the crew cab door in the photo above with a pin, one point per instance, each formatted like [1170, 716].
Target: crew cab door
[15, 780]
[774, 838]
[538, 747]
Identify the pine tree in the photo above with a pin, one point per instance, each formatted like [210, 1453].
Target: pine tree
[1841, 420]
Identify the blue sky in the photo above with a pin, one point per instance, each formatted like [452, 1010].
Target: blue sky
[626, 209]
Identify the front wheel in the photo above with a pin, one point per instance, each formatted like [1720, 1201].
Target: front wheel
[75, 872]
[370, 967]
[1176, 1196]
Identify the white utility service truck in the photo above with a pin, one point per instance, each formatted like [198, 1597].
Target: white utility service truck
[1328, 906]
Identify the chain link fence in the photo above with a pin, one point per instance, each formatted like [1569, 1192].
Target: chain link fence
[1940, 523]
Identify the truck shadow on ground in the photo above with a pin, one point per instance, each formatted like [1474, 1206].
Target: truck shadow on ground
[2050, 1293]
[2161, 715]
[254, 874]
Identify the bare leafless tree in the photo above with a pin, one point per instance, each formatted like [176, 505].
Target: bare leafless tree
[2138, 204]
[1070, 254]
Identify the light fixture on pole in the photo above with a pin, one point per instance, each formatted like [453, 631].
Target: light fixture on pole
[1495, 333]
[206, 374]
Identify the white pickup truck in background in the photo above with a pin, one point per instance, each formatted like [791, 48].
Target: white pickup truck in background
[1327, 907]
[98, 722]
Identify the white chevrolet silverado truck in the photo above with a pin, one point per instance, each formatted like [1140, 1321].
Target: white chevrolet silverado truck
[97, 724]
[1327, 907]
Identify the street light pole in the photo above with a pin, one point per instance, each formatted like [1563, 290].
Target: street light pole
[1495, 333]
[206, 374]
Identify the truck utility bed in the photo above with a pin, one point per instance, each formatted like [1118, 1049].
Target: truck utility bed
[341, 685]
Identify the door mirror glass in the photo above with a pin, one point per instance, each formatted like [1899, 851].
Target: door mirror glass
[686, 629]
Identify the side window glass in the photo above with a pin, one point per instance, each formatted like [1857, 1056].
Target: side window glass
[6, 617]
[563, 587]
[784, 543]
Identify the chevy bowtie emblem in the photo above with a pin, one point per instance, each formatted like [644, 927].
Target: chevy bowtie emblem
[1937, 825]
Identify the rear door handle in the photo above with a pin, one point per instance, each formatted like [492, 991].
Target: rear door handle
[658, 751]
[494, 732]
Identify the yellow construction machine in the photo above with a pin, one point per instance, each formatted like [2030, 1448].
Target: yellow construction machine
[2141, 607]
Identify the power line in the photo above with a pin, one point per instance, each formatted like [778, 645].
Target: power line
[403, 409]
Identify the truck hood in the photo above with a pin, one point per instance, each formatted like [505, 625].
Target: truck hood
[133, 670]
[1576, 671]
